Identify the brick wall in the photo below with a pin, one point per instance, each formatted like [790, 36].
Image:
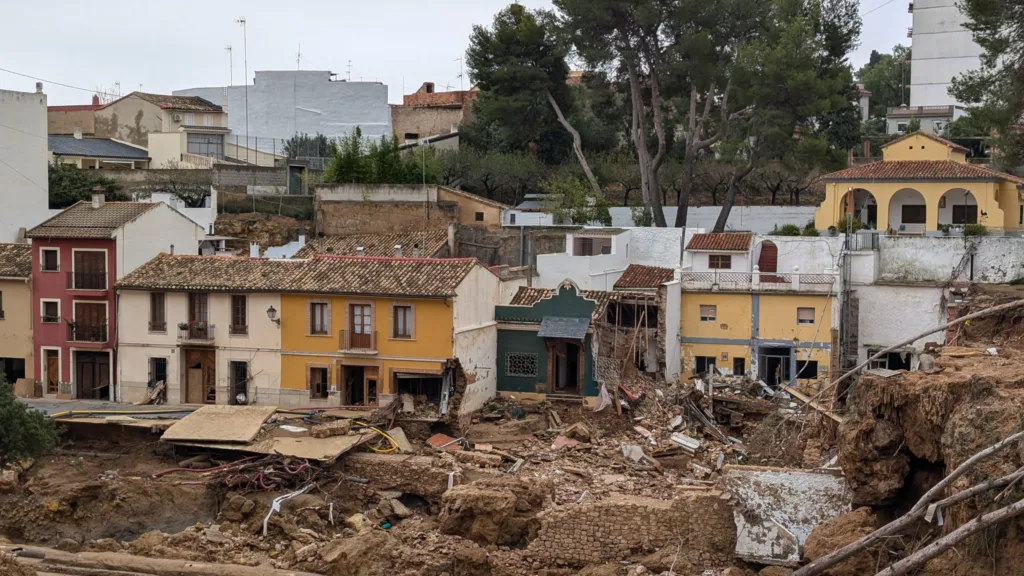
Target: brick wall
[423, 98]
[347, 218]
[423, 120]
[700, 524]
[249, 176]
[502, 246]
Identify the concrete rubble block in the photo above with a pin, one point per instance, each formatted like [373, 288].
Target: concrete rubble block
[562, 442]
[399, 509]
[336, 428]
[478, 459]
[778, 508]
[359, 523]
[402, 440]
[8, 481]
[444, 442]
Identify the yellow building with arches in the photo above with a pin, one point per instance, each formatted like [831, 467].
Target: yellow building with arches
[922, 182]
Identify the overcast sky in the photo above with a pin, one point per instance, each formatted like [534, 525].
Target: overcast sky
[167, 47]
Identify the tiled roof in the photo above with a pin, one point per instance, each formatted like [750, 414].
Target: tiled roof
[919, 170]
[930, 136]
[599, 232]
[84, 221]
[474, 197]
[721, 242]
[379, 245]
[640, 276]
[94, 147]
[188, 103]
[527, 296]
[322, 274]
[15, 260]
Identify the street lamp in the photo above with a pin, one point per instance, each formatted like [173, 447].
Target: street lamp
[245, 60]
[272, 314]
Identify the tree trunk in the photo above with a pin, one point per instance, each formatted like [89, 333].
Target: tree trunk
[730, 197]
[577, 143]
[648, 172]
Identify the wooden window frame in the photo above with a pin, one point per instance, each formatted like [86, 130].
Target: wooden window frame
[234, 328]
[715, 261]
[706, 318]
[155, 326]
[327, 318]
[42, 259]
[309, 380]
[478, 217]
[802, 322]
[393, 318]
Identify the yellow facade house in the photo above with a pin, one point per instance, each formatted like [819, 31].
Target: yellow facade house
[924, 183]
[323, 331]
[741, 314]
[16, 317]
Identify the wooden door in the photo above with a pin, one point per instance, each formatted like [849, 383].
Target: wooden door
[198, 309]
[52, 371]
[194, 386]
[768, 261]
[361, 325]
[90, 270]
[90, 322]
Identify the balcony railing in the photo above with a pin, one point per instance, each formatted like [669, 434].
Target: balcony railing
[87, 280]
[78, 332]
[196, 332]
[718, 280]
[238, 329]
[358, 342]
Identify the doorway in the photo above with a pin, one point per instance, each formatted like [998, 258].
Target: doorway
[200, 376]
[773, 366]
[92, 375]
[354, 391]
[360, 322]
[565, 363]
[239, 392]
[52, 364]
[296, 174]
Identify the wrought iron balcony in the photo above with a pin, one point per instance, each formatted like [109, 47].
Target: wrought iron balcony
[87, 280]
[196, 332]
[81, 332]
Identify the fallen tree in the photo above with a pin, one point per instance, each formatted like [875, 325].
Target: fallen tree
[924, 509]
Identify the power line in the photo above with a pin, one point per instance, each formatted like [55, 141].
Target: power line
[877, 8]
[23, 132]
[30, 181]
[93, 91]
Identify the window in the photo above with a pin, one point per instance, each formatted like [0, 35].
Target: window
[318, 377]
[479, 216]
[211, 145]
[49, 260]
[901, 126]
[411, 136]
[586, 247]
[157, 312]
[1, 305]
[739, 366]
[708, 313]
[158, 370]
[805, 316]
[13, 369]
[239, 393]
[913, 214]
[807, 370]
[720, 261]
[705, 364]
[239, 323]
[207, 119]
[188, 119]
[520, 364]
[403, 322]
[318, 321]
[965, 214]
[51, 311]
[512, 219]
[90, 268]
[198, 307]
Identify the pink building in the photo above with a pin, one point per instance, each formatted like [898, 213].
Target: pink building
[77, 256]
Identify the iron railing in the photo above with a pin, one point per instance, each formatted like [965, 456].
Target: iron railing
[79, 332]
[78, 280]
[238, 329]
[350, 341]
[157, 326]
[196, 332]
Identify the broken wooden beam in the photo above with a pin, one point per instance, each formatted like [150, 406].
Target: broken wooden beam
[807, 400]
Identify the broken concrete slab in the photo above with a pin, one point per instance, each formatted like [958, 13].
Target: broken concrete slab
[400, 438]
[563, 442]
[689, 444]
[217, 423]
[779, 507]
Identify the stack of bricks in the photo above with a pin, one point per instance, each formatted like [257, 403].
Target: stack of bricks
[624, 526]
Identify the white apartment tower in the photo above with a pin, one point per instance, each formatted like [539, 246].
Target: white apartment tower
[942, 50]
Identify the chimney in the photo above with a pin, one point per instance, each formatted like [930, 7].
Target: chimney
[398, 250]
[172, 249]
[98, 200]
[78, 132]
[254, 249]
[360, 251]
[302, 236]
[417, 252]
[95, 99]
[39, 87]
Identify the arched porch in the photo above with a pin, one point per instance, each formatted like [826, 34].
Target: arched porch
[958, 206]
[908, 212]
[865, 207]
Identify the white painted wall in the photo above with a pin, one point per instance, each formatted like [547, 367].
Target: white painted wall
[956, 197]
[287, 102]
[476, 336]
[812, 254]
[588, 272]
[673, 317]
[927, 259]
[656, 246]
[203, 216]
[166, 148]
[509, 288]
[476, 296]
[943, 49]
[757, 219]
[741, 261]
[152, 233]
[377, 193]
[893, 313]
[24, 182]
[526, 218]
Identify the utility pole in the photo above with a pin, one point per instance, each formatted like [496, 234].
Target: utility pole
[349, 70]
[461, 72]
[245, 60]
[231, 66]
[298, 58]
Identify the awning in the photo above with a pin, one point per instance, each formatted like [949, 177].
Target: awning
[557, 327]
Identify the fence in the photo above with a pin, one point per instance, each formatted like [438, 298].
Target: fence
[264, 151]
[289, 205]
[715, 280]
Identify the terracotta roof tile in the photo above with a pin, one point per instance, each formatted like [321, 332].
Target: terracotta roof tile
[378, 245]
[721, 242]
[640, 276]
[527, 296]
[930, 136]
[188, 103]
[83, 221]
[15, 260]
[926, 170]
[322, 274]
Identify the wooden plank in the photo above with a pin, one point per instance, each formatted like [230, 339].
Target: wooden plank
[323, 449]
[807, 400]
[219, 423]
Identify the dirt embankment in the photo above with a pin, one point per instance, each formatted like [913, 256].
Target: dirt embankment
[266, 229]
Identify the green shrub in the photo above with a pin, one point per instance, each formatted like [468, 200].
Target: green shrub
[974, 230]
[945, 228]
[810, 229]
[853, 225]
[787, 230]
[24, 432]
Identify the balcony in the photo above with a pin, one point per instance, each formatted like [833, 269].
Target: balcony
[195, 333]
[81, 332]
[728, 281]
[87, 280]
[238, 330]
[358, 343]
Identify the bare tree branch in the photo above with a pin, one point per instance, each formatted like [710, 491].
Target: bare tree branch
[577, 143]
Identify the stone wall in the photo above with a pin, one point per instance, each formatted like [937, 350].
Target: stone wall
[699, 523]
[502, 247]
[249, 176]
[424, 476]
[347, 218]
[424, 121]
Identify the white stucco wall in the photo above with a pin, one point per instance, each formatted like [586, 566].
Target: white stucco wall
[893, 313]
[24, 183]
[943, 49]
[673, 316]
[526, 218]
[166, 148]
[203, 216]
[811, 254]
[757, 219]
[932, 259]
[283, 103]
[740, 261]
[476, 335]
[656, 246]
[588, 272]
[376, 193]
[155, 232]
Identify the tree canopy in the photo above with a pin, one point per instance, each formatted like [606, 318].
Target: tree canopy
[70, 184]
[366, 161]
[887, 77]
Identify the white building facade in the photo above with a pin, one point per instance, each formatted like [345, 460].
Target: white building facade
[24, 182]
[942, 50]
